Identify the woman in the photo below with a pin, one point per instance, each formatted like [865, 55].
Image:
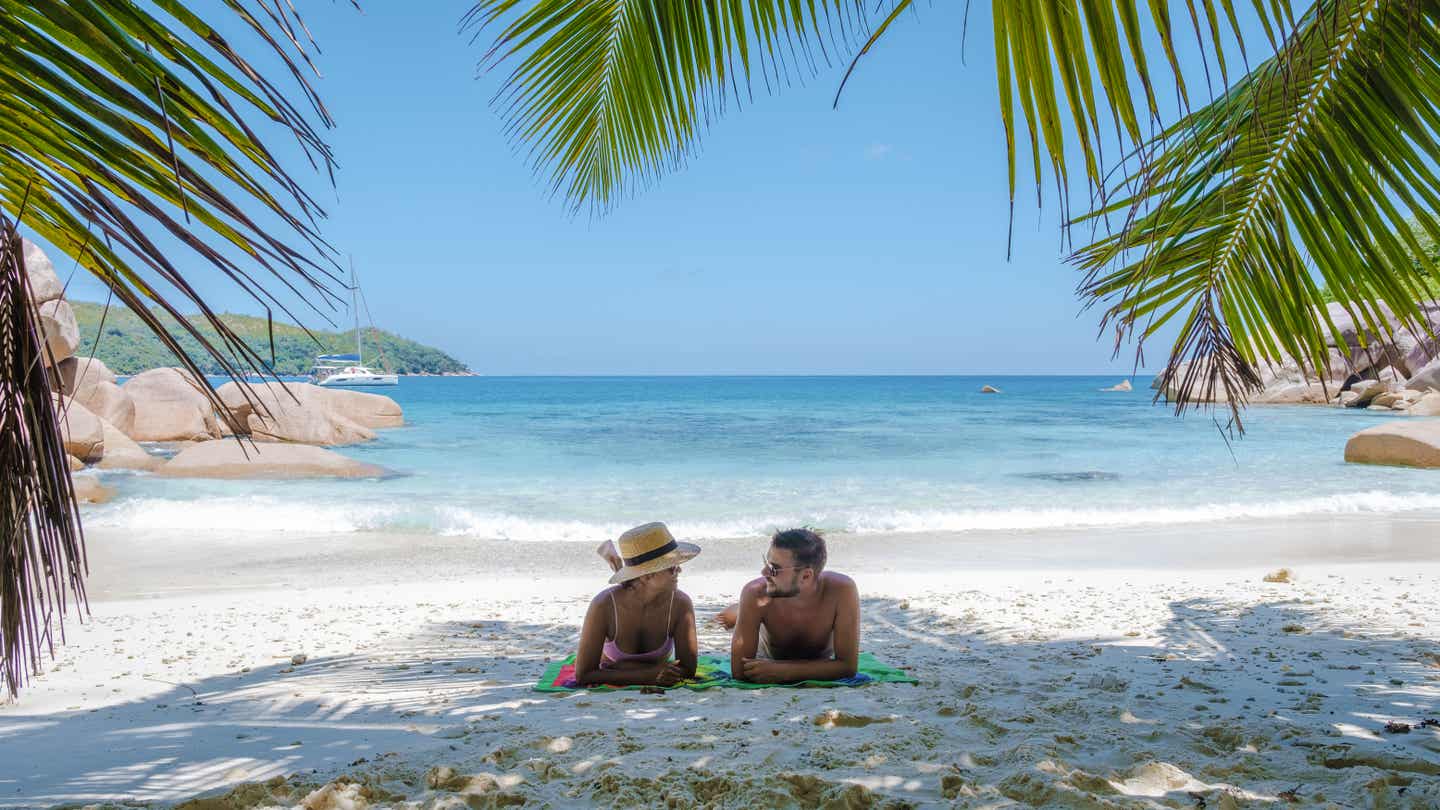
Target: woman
[642, 630]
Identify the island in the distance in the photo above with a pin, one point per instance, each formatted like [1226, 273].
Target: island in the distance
[128, 347]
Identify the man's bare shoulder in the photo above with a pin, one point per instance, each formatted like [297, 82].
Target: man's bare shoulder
[838, 584]
[753, 592]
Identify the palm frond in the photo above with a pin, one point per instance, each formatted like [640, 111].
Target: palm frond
[1311, 164]
[131, 142]
[608, 95]
[42, 553]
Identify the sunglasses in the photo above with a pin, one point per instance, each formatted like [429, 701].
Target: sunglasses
[770, 569]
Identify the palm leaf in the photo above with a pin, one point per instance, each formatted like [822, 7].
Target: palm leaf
[608, 95]
[1310, 165]
[131, 142]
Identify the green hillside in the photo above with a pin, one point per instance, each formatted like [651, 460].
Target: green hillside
[127, 347]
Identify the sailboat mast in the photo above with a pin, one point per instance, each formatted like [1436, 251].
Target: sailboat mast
[355, 310]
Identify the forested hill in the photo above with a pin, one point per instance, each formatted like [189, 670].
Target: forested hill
[127, 347]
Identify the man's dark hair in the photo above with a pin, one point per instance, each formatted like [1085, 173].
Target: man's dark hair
[806, 544]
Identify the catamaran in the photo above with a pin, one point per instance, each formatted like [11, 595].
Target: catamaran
[347, 370]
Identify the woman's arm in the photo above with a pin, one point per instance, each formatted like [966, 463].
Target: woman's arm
[683, 631]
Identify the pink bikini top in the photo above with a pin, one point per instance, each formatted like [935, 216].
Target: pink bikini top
[612, 654]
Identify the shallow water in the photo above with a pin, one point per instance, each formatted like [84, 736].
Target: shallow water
[583, 458]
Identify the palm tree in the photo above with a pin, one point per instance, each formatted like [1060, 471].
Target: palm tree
[1308, 164]
[131, 143]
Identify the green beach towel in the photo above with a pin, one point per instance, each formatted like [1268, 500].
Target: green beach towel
[714, 671]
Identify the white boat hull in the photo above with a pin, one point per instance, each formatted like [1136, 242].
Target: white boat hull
[358, 380]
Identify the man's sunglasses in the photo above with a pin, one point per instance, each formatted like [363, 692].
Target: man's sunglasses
[770, 569]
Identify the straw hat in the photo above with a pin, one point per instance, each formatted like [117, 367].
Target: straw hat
[650, 548]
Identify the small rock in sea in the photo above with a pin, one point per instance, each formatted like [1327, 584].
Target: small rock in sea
[1294, 628]
[298, 659]
[1280, 575]
[989, 389]
[1396, 727]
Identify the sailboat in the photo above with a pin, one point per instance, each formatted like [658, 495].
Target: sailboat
[349, 370]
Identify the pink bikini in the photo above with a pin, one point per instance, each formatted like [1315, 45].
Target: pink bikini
[612, 654]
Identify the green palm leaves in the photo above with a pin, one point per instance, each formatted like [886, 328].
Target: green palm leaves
[1307, 165]
[610, 94]
[131, 141]
[1310, 165]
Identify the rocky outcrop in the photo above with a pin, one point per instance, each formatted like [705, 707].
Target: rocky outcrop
[1122, 386]
[59, 329]
[1363, 369]
[88, 489]
[83, 434]
[122, 453]
[232, 459]
[44, 284]
[93, 385]
[169, 406]
[373, 411]
[989, 389]
[1400, 443]
[292, 412]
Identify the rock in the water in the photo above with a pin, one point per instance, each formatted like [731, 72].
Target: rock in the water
[122, 453]
[989, 389]
[75, 464]
[58, 327]
[83, 433]
[231, 459]
[1123, 385]
[88, 489]
[1426, 378]
[170, 406]
[76, 373]
[93, 385]
[293, 412]
[44, 284]
[109, 402]
[1367, 390]
[1427, 405]
[367, 410]
[1397, 443]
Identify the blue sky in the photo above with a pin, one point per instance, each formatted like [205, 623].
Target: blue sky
[800, 239]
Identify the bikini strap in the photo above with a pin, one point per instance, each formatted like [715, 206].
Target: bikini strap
[615, 613]
[669, 613]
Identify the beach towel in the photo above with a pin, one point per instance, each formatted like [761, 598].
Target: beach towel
[714, 671]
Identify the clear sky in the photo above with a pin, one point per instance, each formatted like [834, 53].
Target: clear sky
[800, 239]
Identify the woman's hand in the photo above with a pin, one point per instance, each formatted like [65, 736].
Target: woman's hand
[669, 674]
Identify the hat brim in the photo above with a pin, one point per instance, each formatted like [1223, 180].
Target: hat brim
[683, 553]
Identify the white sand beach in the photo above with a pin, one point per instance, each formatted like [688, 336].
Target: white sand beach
[1136, 668]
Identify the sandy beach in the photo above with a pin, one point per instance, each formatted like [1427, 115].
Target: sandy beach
[1137, 668]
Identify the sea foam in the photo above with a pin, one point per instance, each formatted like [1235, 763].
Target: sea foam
[271, 514]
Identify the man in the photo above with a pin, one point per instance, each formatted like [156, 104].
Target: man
[797, 621]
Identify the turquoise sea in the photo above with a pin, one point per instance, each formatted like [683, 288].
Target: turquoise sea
[532, 458]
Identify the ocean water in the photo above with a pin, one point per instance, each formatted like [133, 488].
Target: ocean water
[584, 458]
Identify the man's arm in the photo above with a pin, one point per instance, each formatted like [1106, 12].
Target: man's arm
[746, 637]
[847, 647]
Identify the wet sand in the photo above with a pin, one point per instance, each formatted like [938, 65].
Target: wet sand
[1136, 668]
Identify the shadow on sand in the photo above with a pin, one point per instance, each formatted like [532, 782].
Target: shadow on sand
[1225, 705]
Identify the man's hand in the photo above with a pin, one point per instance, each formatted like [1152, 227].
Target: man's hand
[762, 670]
[669, 674]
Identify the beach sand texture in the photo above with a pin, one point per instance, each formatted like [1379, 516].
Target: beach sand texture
[293, 682]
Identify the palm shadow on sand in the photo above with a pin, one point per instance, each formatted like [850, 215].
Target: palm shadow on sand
[1224, 703]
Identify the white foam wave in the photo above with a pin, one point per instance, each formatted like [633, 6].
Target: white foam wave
[270, 514]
